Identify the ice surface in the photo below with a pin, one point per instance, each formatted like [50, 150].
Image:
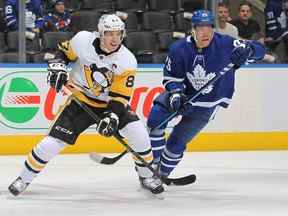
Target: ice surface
[228, 184]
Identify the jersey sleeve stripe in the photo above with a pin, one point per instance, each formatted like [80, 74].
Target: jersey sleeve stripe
[115, 95]
[174, 79]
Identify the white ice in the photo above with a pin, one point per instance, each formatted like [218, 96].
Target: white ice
[228, 184]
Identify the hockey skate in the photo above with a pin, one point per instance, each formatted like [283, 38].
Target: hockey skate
[152, 184]
[17, 186]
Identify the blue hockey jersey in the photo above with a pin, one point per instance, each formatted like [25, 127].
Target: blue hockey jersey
[11, 13]
[189, 68]
[275, 19]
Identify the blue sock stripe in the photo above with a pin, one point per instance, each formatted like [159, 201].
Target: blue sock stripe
[168, 165]
[172, 155]
[158, 148]
[169, 162]
[166, 157]
[157, 138]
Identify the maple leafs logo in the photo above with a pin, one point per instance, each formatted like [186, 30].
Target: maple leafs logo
[198, 79]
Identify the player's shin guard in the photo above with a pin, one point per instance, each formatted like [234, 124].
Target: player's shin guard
[35, 162]
[168, 162]
[138, 139]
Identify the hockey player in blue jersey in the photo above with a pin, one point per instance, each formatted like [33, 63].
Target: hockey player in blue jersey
[33, 15]
[276, 20]
[190, 64]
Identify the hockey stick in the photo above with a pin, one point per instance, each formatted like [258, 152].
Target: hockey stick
[189, 179]
[106, 160]
[111, 160]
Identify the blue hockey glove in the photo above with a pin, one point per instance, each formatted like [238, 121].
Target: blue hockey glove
[240, 54]
[175, 100]
[108, 125]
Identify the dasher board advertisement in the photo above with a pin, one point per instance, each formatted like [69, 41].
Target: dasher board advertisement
[256, 119]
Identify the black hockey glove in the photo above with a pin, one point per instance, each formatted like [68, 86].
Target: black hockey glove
[108, 125]
[241, 54]
[57, 74]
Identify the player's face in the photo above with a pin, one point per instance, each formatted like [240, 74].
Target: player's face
[204, 35]
[245, 12]
[223, 14]
[111, 40]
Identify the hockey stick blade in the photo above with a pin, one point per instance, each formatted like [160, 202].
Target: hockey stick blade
[106, 160]
[181, 181]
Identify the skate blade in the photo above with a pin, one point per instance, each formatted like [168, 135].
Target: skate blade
[149, 194]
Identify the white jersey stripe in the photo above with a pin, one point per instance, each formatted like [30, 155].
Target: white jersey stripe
[211, 104]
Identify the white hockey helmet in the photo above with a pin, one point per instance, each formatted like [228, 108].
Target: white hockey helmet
[110, 22]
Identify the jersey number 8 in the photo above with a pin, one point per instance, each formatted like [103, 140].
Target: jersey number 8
[130, 81]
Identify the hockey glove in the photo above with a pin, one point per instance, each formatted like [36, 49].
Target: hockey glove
[108, 125]
[57, 74]
[175, 100]
[241, 54]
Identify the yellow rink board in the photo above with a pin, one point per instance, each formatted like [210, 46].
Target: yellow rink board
[21, 144]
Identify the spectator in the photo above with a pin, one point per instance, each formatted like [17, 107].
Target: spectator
[276, 28]
[224, 27]
[247, 27]
[275, 20]
[33, 15]
[59, 19]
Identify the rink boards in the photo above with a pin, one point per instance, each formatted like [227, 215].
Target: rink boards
[256, 119]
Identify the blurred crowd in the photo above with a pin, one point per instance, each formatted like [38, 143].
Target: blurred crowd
[151, 25]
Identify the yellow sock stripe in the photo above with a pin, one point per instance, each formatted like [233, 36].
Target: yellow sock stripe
[148, 158]
[33, 163]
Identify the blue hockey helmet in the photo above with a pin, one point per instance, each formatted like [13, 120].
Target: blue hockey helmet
[202, 17]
